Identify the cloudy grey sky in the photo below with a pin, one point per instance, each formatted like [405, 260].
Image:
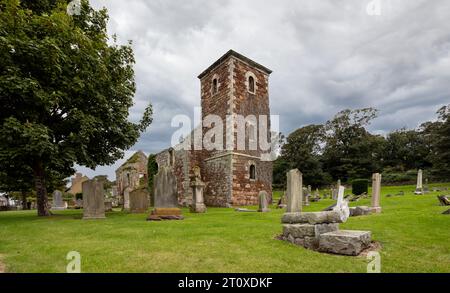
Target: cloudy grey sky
[326, 55]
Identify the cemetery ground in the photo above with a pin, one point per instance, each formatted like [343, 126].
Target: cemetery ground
[411, 229]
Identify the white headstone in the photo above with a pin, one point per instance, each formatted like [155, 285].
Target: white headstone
[342, 205]
[419, 187]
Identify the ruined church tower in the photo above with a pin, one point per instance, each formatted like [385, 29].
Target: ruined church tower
[235, 87]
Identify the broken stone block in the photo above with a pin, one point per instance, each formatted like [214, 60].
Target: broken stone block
[299, 230]
[344, 242]
[312, 218]
[311, 243]
[325, 228]
[360, 211]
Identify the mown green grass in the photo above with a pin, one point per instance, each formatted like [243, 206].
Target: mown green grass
[414, 235]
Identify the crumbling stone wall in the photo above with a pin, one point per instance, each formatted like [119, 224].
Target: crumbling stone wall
[132, 174]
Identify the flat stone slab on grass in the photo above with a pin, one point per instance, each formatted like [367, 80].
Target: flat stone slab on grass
[360, 211]
[312, 218]
[345, 242]
[159, 214]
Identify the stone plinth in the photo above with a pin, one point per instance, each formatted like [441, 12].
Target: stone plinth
[93, 200]
[344, 242]
[198, 186]
[312, 218]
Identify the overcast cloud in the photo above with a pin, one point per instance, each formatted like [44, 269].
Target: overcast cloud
[325, 55]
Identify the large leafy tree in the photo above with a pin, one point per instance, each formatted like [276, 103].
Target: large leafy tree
[441, 149]
[65, 91]
[407, 149]
[303, 150]
[350, 150]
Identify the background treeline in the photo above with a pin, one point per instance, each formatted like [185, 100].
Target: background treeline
[343, 148]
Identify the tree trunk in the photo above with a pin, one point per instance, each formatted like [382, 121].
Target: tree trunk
[41, 190]
[24, 200]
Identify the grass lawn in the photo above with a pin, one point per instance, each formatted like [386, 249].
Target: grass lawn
[414, 235]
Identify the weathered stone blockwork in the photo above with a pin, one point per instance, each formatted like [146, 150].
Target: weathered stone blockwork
[226, 172]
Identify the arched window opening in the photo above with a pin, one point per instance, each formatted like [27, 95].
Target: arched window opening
[252, 172]
[251, 84]
[215, 87]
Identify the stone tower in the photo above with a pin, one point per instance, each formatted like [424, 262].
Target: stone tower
[235, 88]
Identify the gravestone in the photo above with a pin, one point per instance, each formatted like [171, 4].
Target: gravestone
[294, 191]
[58, 203]
[335, 190]
[263, 202]
[139, 201]
[419, 186]
[108, 206]
[79, 204]
[166, 196]
[316, 196]
[342, 205]
[93, 199]
[126, 199]
[197, 185]
[425, 187]
[282, 202]
[376, 193]
[306, 195]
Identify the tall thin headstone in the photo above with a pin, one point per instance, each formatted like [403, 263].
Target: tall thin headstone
[263, 202]
[335, 191]
[93, 199]
[419, 187]
[294, 191]
[58, 203]
[376, 193]
[342, 205]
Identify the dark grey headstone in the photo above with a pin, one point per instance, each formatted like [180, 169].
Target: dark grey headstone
[139, 200]
[165, 188]
[93, 200]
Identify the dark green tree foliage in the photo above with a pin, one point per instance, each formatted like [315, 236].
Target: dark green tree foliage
[65, 92]
[441, 154]
[360, 186]
[280, 167]
[41, 6]
[407, 149]
[19, 180]
[350, 150]
[302, 151]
